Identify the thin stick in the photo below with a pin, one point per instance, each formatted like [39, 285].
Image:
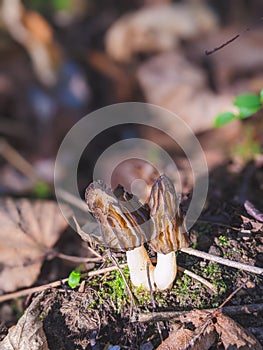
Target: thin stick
[16, 160]
[176, 315]
[93, 251]
[118, 266]
[253, 211]
[152, 299]
[77, 259]
[207, 52]
[198, 278]
[231, 295]
[71, 199]
[223, 261]
[54, 284]
[211, 222]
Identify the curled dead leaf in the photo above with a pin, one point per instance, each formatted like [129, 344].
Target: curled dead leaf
[234, 336]
[199, 330]
[157, 28]
[169, 80]
[27, 230]
[28, 333]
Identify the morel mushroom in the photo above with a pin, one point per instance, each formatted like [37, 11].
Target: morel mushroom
[121, 221]
[169, 236]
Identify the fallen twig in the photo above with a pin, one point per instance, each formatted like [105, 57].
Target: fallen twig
[231, 295]
[93, 251]
[223, 261]
[54, 284]
[77, 259]
[153, 301]
[118, 266]
[13, 157]
[198, 278]
[71, 199]
[175, 315]
[253, 211]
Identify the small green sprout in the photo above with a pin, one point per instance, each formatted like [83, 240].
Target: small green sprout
[223, 241]
[247, 105]
[74, 278]
[41, 189]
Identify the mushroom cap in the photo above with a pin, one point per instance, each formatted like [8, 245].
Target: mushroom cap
[124, 222]
[166, 218]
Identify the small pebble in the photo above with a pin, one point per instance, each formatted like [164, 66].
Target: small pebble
[246, 238]
[82, 287]
[147, 346]
[250, 284]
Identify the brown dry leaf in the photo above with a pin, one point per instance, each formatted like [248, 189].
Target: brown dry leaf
[182, 338]
[203, 329]
[169, 80]
[28, 333]
[34, 33]
[234, 336]
[158, 28]
[38, 27]
[124, 82]
[231, 64]
[27, 230]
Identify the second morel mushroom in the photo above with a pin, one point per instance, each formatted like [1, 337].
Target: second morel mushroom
[168, 233]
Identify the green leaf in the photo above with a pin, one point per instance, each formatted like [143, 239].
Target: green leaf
[74, 278]
[247, 104]
[224, 118]
[41, 189]
[261, 96]
[247, 100]
[245, 112]
[62, 5]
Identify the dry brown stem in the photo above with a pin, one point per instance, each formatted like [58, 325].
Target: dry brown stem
[198, 278]
[223, 261]
[16, 160]
[175, 315]
[54, 284]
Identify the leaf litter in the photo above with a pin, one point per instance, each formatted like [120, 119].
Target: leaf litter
[74, 318]
[28, 229]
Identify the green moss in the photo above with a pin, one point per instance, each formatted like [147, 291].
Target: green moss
[142, 295]
[223, 241]
[115, 289]
[214, 273]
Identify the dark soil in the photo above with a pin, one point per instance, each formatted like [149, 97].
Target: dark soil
[100, 316]
[102, 313]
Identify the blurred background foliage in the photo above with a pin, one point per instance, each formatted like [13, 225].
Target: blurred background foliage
[62, 59]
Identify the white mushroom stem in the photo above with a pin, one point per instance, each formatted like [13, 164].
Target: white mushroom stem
[165, 270]
[137, 260]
